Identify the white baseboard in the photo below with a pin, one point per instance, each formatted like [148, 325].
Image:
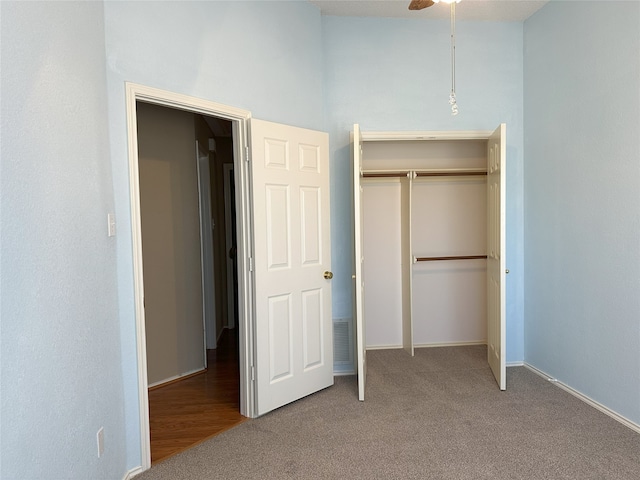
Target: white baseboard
[515, 364]
[176, 377]
[132, 473]
[449, 344]
[589, 401]
[383, 347]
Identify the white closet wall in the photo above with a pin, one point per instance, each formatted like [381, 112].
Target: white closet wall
[449, 297]
[382, 249]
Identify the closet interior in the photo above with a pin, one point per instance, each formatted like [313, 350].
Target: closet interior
[424, 239]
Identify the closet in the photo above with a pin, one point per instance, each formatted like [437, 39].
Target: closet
[429, 232]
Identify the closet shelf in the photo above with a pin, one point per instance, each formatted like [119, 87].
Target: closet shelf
[456, 257]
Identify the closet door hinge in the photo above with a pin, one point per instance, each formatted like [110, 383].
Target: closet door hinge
[253, 373]
[246, 154]
[251, 264]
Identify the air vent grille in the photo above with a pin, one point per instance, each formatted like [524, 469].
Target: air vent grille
[342, 342]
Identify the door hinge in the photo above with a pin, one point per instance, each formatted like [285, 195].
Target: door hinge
[246, 153]
[253, 374]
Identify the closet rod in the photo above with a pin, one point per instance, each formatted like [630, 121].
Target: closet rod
[450, 174]
[458, 257]
[385, 175]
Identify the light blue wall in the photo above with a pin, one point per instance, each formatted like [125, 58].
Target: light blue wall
[61, 375]
[265, 57]
[582, 200]
[394, 74]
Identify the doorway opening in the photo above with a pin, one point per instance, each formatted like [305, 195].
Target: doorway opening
[191, 297]
[187, 213]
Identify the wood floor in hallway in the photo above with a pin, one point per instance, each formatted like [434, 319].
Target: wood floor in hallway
[187, 412]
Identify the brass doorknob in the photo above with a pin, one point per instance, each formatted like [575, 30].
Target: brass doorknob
[328, 275]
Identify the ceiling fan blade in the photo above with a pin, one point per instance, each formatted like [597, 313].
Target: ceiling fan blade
[420, 4]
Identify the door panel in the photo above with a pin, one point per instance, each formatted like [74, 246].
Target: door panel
[311, 229]
[290, 185]
[496, 259]
[278, 226]
[312, 328]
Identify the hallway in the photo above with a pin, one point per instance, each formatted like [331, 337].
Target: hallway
[187, 412]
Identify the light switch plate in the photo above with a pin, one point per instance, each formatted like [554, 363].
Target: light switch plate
[111, 224]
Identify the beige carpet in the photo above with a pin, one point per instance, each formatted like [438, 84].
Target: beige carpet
[438, 415]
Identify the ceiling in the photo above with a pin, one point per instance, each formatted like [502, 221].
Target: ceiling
[482, 10]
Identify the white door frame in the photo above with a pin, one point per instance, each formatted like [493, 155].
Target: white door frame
[239, 119]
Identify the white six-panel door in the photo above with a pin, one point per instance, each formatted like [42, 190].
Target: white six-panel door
[290, 185]
[496, 259]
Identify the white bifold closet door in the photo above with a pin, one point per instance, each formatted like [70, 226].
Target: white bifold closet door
[358, 259]
[496, 254]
